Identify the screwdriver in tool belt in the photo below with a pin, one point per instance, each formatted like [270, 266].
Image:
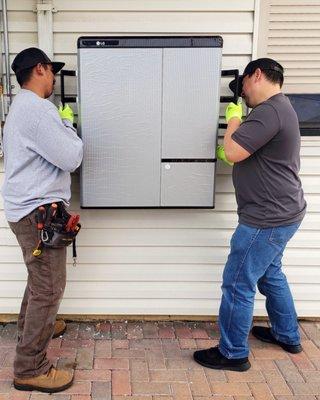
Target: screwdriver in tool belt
[40, 217]
[51, 213]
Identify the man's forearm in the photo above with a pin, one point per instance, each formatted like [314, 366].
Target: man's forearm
[233, 125]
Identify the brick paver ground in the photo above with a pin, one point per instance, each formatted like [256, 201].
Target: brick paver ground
[153, 361]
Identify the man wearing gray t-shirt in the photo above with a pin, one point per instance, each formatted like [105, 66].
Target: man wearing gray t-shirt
[265, 150]
[41, 148]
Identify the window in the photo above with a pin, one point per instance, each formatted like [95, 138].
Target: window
[307, 107]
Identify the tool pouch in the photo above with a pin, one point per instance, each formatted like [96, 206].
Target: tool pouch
[52, 236]
[56, 228]
[61, 229]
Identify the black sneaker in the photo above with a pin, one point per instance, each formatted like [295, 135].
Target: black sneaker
[264, 334]
[212, 358]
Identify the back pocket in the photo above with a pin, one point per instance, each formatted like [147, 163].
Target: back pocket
[281, 235]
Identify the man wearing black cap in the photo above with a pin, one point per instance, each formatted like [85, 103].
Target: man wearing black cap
[41, 148]
[265, 149]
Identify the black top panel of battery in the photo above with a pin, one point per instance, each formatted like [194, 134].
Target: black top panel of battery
[149, 41]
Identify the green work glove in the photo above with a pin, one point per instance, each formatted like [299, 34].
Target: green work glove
[234, 110]
[221, 155]
[66, 113]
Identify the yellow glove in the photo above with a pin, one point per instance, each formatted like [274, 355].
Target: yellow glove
[221, 155]
[66, 113]
[234, 110]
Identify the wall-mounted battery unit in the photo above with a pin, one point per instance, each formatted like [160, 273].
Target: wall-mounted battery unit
[149, 110]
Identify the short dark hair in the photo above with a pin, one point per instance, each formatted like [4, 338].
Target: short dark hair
[273, 76]
[24, 75]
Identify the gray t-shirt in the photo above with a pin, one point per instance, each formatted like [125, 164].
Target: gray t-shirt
[268, 188]
[40, 151]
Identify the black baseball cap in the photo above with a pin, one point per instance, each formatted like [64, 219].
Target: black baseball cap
[32, 56]
[265, 64]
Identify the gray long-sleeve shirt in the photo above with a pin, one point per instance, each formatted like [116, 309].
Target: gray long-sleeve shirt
[40, 151]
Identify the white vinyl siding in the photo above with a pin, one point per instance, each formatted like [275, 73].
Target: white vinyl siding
[290, 33]
[158, 262]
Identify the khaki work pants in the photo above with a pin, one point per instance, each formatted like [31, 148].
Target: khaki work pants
[40, 304]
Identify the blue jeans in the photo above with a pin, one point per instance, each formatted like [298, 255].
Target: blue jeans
[255, 259]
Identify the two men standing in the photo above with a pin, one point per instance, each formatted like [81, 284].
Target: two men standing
[42, 148]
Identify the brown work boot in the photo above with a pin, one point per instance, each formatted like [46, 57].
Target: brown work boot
[53, 381]
[59, 328]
